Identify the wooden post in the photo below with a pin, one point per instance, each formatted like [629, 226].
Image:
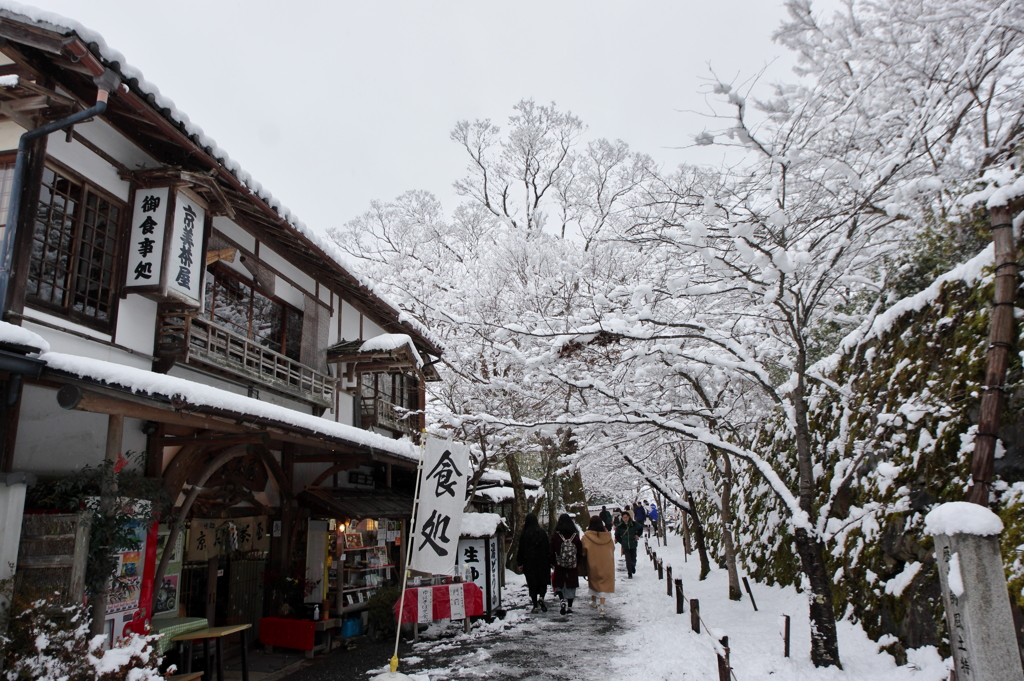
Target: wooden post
[680, 598]
[746, 585]
[668, 582]
[661, 571]
[695, 615]
[785, 636]
[723, 660]
[1001, 341]
[115, 431]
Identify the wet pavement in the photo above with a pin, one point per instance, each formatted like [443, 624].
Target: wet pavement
[521, 647]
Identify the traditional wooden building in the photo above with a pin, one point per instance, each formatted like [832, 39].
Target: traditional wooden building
[157, 299]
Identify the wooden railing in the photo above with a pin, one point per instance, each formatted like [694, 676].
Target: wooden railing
[188, 338]
[383, 414]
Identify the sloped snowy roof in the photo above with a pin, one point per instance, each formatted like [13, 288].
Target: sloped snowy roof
[16, 11]
[144, 382]
[391, 341]
[480, 524]
[500, 494]
[494, 475]
[16, 335]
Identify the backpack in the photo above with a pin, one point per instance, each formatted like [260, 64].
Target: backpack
[566, 557]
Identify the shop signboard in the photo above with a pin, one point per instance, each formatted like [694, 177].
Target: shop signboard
[442, 497]
[478, 563]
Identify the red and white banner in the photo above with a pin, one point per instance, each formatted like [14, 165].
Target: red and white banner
[446, 602]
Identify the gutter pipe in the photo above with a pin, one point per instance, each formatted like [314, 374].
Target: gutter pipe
[106, 83]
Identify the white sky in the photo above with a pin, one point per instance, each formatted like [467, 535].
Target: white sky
[333, 104]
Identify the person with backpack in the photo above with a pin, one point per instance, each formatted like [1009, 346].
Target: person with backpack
[534, 560]
[628, 535]
[599, 559]
[606, 518]
[566, 548]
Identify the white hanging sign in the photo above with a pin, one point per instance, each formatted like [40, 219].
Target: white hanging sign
[425, 605]
[186, 259]
[443, 479]
[145, 255]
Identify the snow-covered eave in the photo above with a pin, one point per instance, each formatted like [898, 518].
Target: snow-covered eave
[180, 395]
[206, 149]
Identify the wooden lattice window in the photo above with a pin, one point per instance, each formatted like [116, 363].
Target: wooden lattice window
[239, 307]
[74, 250]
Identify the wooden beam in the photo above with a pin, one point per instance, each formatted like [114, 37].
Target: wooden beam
[225, 254]
[215, 440]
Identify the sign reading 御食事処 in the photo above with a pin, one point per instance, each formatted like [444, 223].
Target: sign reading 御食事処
[443, 479]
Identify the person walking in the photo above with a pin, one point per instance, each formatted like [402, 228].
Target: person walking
[566, 548]
[599, 557]
[639, 514]
[652, 514]
[628, 535]
[534, 560]
[606, 518]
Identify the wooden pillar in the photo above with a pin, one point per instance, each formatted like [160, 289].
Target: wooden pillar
[26, 225]
[115, 432]
[1001, 341]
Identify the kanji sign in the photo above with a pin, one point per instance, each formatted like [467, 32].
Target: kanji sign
[186, 260]
[443, 479]
[149, 215]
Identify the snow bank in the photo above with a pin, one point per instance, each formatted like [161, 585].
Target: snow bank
[480, 524]
[16, 335]
[391, 341]
[961, 517]
[150, 383]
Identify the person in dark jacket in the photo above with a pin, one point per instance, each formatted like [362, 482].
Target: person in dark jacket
[639, 514]
[627, 533]
[566, 561]
[533, 559]
[606, 518]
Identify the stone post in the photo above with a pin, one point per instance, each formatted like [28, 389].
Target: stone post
[981, 632]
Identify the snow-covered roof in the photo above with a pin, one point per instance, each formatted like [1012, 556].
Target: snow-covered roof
[16, 335]
[144, 382]
[500, 494]
[114, 60]
[391, 341]
[494, 475]
[480, 524]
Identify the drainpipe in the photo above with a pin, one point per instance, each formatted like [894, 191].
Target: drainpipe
[106, 83]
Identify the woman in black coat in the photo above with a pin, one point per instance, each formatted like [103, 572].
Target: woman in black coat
[567, 576]
[534, 560]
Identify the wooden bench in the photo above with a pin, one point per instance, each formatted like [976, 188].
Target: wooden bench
[217, 634]
[193, 676]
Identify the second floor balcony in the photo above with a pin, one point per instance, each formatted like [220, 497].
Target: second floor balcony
[186, 338]
[380, 413]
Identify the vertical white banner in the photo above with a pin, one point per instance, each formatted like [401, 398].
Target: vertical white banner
[457, 598]
[145, 254]
[442, 497]
[186, 259]
[425, 603]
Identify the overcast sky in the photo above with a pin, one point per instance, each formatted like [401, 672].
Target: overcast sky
[333, 104]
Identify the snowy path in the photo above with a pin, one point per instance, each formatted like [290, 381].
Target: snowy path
[643, 639]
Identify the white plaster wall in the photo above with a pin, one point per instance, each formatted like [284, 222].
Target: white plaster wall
[115, 144]
[136, 325]
[288, 293]
[10, 135]
[73, 345]
[346, 409]
[88, 164]
[287, 269]
[370, 329]
[325, 295]
[349, 322]
[52, 440]
[232, 231]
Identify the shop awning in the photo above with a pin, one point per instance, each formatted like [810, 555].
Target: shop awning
[340, 502]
